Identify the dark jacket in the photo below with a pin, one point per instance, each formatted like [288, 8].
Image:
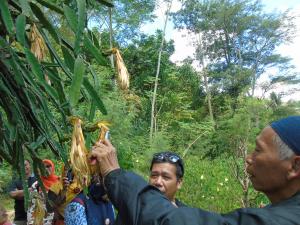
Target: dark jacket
[141, 204]
[121, 220]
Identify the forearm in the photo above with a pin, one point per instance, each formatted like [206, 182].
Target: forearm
[141, 204]
[119, 181]
[17, 194]
[135, 199]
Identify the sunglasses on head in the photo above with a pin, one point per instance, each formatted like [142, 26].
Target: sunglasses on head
[168, 157]
[48, 166]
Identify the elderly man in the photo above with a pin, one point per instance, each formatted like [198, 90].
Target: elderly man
[274, 169]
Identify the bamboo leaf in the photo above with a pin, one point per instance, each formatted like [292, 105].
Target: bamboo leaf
[97, 86]
[44, 21]
[56, 147]
[37, 70]
[20, 24]
[90, 48]
[69, 59]
[106, 2]
[79, 70]
[25, 7]
[94, 39]
[18, 75]
[6, 16]
[95, 77]
[60, 91]
[66, 43]
[34, 63]
[10, 63]
[81, 22]
[92, 111]
[23, 176]
[71, 17]
[34, 145]
[50, 118]
[55, 55]
[94, 96]
[6, 155]
[50, 6]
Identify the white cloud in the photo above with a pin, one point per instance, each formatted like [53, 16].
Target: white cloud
[292, 50]
[183, 45]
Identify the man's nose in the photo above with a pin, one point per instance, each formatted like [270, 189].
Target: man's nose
[249, 159]
[158, 182]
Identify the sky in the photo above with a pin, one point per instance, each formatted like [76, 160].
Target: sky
[184, 48]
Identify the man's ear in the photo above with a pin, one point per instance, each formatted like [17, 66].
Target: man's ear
[179, 183]
[295, 170]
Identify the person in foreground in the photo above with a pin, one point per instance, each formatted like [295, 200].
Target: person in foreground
[273, 167]
[4, 216]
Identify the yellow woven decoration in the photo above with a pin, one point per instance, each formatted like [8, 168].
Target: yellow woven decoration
[79, 156]
[123, 75]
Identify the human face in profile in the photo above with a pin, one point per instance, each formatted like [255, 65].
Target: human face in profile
[267, 172]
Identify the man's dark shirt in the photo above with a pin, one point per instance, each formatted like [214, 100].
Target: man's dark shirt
[140, 204]
[20, 213]
[120, 221]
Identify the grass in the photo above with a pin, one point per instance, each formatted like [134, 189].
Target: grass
[8, 204]
[207, 184]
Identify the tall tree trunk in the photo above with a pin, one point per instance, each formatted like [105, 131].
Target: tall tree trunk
[208, 95]
[153, 116]
[253, 80]
[204, 74]
[111, 38]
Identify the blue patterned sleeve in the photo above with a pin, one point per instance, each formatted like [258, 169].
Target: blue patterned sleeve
[75, 214]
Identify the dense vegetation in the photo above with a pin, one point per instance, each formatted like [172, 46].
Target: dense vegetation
[54, 60]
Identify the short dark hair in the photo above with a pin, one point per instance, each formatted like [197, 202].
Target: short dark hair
[169, 157]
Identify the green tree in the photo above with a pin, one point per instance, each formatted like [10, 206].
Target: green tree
[235, 137]
[237, 34]
[127, 17]
[179, 98]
